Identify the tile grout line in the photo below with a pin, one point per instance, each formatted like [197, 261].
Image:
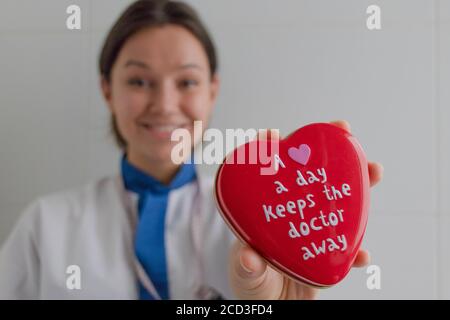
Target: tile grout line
[437, 146]
[88, 85]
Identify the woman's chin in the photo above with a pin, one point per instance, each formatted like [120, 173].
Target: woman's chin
[162, 155]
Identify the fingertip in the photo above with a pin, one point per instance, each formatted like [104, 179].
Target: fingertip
[268, 134]
[251, 262]
[380, 168]
[274, 134]
[343, 124]
[244, 263]
[362, 259]
[366, 256]
[376, 171]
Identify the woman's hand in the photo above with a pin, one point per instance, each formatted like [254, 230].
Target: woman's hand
[252, 278]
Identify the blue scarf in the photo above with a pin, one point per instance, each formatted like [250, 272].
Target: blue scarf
[149, 239]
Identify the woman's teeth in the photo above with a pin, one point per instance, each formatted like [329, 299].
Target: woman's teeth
[163, 128]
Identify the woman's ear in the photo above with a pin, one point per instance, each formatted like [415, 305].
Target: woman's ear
[106, 91]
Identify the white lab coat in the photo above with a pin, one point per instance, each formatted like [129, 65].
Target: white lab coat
[93, 228]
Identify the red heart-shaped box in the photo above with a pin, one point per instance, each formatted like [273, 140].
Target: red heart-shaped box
[308, 217]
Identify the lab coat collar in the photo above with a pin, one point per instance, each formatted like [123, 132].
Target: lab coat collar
[138, 181]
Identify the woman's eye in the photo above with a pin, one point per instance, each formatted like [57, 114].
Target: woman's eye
[188, 83]
[137, 82]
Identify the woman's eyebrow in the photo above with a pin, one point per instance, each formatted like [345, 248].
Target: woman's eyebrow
[137, 64]
[190, 65]
[145, 66]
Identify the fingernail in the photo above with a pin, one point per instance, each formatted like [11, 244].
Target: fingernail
[245, 267]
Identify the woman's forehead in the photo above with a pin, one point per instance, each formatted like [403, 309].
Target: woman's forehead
[170, 46]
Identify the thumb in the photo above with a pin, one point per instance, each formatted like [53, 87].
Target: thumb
[251, 277]
[268, 134]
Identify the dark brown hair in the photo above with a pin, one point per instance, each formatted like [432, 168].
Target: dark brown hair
[148, 13]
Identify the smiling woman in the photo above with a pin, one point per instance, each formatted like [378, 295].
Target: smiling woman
[158, 73]
[162, 80]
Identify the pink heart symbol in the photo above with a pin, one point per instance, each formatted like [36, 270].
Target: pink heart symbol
[300, 154]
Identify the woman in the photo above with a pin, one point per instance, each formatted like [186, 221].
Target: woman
[152, 232]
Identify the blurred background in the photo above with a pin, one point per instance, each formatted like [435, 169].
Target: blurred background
[283, 64]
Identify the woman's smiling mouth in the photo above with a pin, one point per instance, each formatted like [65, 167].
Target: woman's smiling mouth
[161, 131]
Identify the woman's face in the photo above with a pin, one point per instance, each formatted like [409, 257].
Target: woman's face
[160, 82]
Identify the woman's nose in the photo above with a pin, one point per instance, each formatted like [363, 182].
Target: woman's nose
[165, 99]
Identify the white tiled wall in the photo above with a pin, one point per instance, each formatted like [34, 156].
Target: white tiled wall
[283, 64]
[443, 114]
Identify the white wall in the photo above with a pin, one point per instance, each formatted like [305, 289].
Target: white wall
[283, 64]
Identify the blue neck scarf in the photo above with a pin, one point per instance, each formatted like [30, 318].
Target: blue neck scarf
[149, 242]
